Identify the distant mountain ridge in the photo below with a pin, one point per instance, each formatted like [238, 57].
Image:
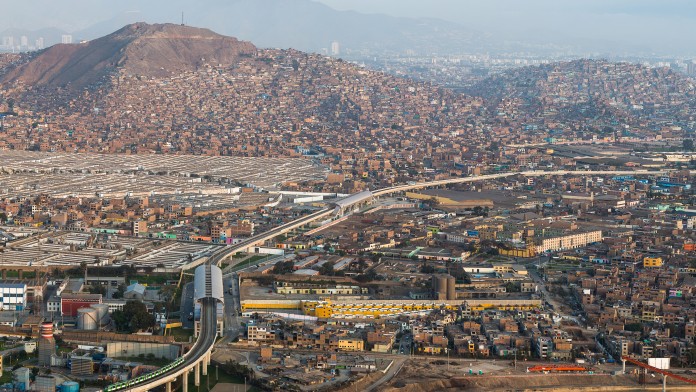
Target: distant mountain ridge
[299, 24]
[148, 50]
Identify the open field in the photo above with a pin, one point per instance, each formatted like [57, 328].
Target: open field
[422, 376]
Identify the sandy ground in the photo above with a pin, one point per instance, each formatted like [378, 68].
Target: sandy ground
[425, 376]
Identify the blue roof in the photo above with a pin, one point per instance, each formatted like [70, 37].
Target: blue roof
[13, 285]
[137, 287]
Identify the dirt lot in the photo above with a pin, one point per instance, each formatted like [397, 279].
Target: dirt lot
[499, 376]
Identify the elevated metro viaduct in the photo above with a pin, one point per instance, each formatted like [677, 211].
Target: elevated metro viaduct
[208, 290]
[202, 282]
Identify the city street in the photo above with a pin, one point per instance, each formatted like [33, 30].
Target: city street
[232, 327]
[187, 305]
[405, 344]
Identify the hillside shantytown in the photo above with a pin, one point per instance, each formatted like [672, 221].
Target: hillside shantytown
[295, 221]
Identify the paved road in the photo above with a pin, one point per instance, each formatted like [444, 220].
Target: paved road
[393, 371]
[232, 326]
[187, 305]
[405, 344]
[558, 304]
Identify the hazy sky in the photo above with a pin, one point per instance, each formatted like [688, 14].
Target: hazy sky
[665, 24]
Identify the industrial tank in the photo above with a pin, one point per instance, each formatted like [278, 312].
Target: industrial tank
[442, 285]
[102, 313]
[87, 319]
[451, 288]
[69, 386]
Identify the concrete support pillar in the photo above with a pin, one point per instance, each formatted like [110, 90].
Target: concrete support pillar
[4, 274]
[21, 274]
[664, 383]
[197, 374]
[169, 387]
[204, 364]
[624, 366]
[184, 382]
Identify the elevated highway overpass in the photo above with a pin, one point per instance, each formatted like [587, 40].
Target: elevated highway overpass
[364, 196]
[530, 173]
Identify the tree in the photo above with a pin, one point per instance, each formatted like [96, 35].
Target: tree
[283, 267]
[133, 317]
[3, 217]
[688, 144]
[97, 289]
[427, 269]
[327, 269]
[457, 271]
[512, 287]
[368, 276]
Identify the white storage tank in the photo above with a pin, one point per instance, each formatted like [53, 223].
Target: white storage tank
[102, 313]
[87, 319]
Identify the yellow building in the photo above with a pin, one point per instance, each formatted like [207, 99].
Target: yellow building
[384, 308]
[261, 304]
[647, 315]
[351, 344]
[652, 262]
[433, 349]
[518, 252]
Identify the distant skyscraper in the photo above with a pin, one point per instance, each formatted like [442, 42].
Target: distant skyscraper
[335, 48]
[8, 42]
[66, 39]
[40, 43]
[24, 42]
[691, 68]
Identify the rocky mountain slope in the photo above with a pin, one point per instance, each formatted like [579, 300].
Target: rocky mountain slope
[139, 49]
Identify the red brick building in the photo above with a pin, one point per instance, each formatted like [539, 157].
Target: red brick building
[70, 303]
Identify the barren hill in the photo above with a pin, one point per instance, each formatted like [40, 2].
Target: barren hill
[141, 49]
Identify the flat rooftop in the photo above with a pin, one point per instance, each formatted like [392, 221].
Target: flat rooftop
[61, 174]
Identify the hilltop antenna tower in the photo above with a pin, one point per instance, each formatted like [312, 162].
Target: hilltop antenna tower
[182, 18]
